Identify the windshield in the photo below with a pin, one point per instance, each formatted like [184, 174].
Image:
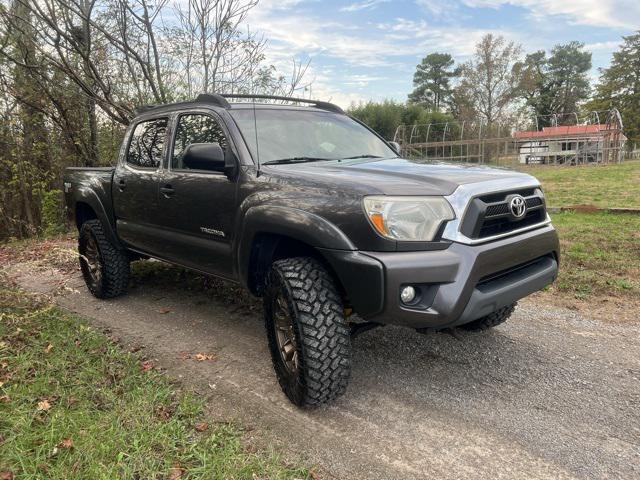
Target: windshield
[306, 135]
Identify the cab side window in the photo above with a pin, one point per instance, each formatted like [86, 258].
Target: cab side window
[147, 144]
[195, 129]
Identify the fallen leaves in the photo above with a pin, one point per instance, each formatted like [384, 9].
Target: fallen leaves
[5, 399]
[201, 427]
[48, 348]
[43, 405]
[164, 310]
[175, 473]
[6, 475]
[66, 444]
[202, 357]
[163, 412]
[146, 366]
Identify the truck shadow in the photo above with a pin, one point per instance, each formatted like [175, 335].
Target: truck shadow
[399, 360]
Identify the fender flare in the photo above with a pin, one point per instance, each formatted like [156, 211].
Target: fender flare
[91, 198]
[289, 222]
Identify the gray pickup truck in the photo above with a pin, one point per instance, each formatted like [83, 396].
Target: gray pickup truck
[314, 212]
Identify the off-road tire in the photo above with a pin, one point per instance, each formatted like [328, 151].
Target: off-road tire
[114, 262]
[492, 320]
[323, 343]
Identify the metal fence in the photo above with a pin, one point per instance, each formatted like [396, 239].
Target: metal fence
[596, 138]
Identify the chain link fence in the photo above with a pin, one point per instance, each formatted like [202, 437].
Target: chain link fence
[595, 138]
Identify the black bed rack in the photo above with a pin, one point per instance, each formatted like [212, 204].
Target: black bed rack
[220, 100]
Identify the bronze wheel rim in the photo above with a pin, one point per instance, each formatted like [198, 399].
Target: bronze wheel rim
[91, 258]
[285, 335]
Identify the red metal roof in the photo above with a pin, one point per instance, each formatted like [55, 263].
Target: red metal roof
[562, 131]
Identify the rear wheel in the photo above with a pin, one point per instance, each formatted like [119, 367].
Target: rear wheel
[105, 268]
[307, 332]
[492, 320]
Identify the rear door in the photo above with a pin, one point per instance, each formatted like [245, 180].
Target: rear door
[135, 185]
[198, 206]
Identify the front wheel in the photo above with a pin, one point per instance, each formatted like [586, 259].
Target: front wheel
[105, 268]
[492, 320]
[307, 332]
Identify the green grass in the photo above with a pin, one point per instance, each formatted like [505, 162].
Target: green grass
[600, 251]
[108, 416]
[604, 186]
[600, 254]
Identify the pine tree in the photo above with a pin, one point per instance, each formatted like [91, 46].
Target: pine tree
[432, 81]
[619, 86]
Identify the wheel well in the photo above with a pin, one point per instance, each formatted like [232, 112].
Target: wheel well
[83, 213]
[267, 248]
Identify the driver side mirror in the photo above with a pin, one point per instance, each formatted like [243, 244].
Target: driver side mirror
[204, 156]
[396, 147]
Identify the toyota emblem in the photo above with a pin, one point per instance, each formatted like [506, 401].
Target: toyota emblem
[518, 206]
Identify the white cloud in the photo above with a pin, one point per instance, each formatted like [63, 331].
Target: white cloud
[353, 59]
[604, 13]
[325, 87]
[363, 5]
[420, 38]
[301, 35]
[603, 46]
[444, 9]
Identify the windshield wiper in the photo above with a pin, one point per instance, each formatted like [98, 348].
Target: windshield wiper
[366, 155]
[296, 160]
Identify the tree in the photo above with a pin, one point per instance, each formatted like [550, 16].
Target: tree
[120, 53]
[556, 85]
[73, 71]
[534, 85]
[568, 77]
[490, 80]
[28, 160]
[619, 86]
[432, 81]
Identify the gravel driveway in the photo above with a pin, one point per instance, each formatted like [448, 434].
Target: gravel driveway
[549, 394]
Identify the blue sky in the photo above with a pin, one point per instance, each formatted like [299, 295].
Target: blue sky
[368, 49]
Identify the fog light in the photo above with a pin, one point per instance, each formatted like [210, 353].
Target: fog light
[407, 294]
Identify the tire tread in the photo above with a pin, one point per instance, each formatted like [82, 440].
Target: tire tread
[323, 331]
[116, 267]
[492, 320]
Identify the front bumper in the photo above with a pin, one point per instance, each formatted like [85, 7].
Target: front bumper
[456, 285]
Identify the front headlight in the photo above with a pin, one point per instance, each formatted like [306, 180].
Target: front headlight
[408, 218]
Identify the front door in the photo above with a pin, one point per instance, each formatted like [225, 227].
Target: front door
[197, 206]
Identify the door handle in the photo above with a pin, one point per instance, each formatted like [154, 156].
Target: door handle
[167, 190]
[121, 184]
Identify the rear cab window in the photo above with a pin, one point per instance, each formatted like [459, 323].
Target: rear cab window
[146, 146]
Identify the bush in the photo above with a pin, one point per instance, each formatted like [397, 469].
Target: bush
[53, 220]
[385, 117]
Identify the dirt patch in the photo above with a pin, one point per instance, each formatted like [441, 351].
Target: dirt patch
[59, 252]
[606, 308]
[582, 208]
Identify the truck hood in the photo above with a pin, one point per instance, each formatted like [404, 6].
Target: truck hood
[393, 176]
